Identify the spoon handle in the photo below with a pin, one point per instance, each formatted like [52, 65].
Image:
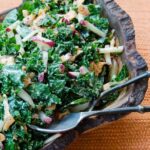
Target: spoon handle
[117, 87]
[139, 108]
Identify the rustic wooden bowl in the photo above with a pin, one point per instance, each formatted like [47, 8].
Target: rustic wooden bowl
[122, 23]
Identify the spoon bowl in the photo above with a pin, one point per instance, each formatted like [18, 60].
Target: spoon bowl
[72, 120]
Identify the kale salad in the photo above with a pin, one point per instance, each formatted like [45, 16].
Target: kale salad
[56, 56]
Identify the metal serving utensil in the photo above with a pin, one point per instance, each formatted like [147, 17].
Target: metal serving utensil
[73, 119]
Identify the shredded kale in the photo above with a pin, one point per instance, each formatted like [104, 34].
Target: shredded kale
[11, 79]
[123, 74]
[42, 92]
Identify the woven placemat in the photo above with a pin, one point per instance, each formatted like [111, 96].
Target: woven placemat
[133, 131]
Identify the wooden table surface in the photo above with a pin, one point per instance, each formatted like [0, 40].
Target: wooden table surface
[133, 131]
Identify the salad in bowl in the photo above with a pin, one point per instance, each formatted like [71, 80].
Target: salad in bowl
[56, 56]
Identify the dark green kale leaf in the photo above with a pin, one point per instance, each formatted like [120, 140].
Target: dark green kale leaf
[41, 92]
[54, 71]
[88, 86]
[57, 85]
[10, 143]
[50, 34]
[121, 76]
[56, 79]
[11, 79]
[18, 137]
[94, 9]
[8, 45]
[101, 23]
[123, 73]
[106, 100]
[31, 7]
[90, 54]
[32, 59]
[20, 110]
[27, 5]
[64, 33]
[1, 110]
[64, 38]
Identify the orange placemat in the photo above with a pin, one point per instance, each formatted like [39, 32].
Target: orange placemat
[133, 131]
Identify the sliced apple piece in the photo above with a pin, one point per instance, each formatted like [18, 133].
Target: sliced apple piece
[83, 70]
[92, 28]
[44, 118]
[43, 41]
[73, 74]
[70, 15]
[118, 49]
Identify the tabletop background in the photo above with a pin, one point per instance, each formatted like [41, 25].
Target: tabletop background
[133, 131]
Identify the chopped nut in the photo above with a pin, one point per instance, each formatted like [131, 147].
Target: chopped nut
[97, 68]
[27, 81]
[8, 118]
[25, 128]
[24, 68]
[52, 107]
[2, 137]
[83, 10]
[72, 27]
[61, 115]
[31, 75]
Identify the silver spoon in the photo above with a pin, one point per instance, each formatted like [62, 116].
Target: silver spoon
[73, 119]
